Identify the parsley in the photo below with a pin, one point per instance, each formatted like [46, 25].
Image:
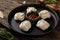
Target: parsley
[5, 34]
[36, 12]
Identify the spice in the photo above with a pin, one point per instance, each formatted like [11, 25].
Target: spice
[32, 16]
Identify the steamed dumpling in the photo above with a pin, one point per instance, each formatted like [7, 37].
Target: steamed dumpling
[1, 14]
[42, 24]
[44, 14]
[19, 16]
[30, 9]
[25, 25]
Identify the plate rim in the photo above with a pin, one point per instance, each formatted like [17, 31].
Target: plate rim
[40, 5]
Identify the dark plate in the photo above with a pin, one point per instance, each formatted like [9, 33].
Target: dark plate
[33, 31]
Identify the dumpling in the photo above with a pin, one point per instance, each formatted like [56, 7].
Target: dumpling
[1, 14]
[42, 24]
[44, 14]
[25, 25]
[19, 16]
[30, 9]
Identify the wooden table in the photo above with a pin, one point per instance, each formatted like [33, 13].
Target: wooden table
[7, 5]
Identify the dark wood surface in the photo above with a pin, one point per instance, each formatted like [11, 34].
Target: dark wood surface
[7, 5]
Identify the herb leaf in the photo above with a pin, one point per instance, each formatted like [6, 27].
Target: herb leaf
[36, 12]
[50, 1]
[6, 34]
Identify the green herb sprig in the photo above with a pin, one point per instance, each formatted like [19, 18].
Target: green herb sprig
[50, 2]
[36, 12]
[6, 34]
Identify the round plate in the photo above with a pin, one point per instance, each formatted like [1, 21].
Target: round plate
[34, 30]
